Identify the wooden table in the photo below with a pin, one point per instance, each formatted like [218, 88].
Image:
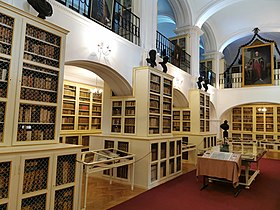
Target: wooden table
[219, 166]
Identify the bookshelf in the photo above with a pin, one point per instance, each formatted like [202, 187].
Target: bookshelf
[153, 91]
[31, 78]
[123, 117]
[81, 108]
[255, 122]
[181, 120]
[76, 139]
[161, 158]
[200, 106]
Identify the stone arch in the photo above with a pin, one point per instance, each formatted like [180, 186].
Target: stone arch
[182, 13]
[117, 82]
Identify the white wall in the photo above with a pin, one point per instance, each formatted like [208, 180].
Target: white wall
[228, 98]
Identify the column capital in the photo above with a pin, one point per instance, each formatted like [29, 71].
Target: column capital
[189, 30]
[213, 55]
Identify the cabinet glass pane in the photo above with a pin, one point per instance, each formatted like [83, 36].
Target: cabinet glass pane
[36, 202]
[35, 175]
[2, 119]
[41, 46]
[39, 84]
[4, 75]
[5, 172]
[66, 168]
[163, 150]
[154, 151]
[154, 172]
[6, 35]
[36, 123]
[64, 199]
[162, 169]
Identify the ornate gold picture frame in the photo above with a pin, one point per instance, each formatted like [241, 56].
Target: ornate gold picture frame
[257, 65]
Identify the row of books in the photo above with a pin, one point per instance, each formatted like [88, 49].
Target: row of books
[6, 20]
[5, 49]
[35, 134]
[39, 82]
[3, 74]
[42, 35]
[41, 49]
[38, 95]
[129, 129]
[35, 180]
[67, 120]
[39, 59]
[36, 114]
[6, 34]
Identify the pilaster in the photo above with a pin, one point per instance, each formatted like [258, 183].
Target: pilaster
[192, 45]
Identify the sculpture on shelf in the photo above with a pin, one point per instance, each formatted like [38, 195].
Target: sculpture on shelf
[163, 63]
[43, 7]
[199, 81]
[205, 84]
[152, 59]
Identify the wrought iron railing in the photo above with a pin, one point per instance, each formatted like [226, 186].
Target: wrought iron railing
[177, 56]
[126, 24]
[207, 73]
[122, 21]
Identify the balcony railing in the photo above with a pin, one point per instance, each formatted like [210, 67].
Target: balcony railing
[177, 56]
[126, 24]
[122, 21]
[207, 73]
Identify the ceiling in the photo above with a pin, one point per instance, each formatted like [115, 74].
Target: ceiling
[227, 24]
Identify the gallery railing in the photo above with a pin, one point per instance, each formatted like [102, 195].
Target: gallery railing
[126, 24]
[177, 56]
[208, 74]
[121, 20]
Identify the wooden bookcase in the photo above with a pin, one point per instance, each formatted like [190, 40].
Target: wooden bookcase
[258, 122]
[200, 106]
[153, 91]
[81, 108]
[160, 158]
[31, 70]
[45, 176]
[123, 115]
[36, 171]
[76, 139]
[181, 120]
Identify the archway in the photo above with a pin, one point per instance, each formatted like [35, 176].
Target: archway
[117, 82]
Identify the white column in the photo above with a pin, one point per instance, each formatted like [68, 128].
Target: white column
[215, 57]
[147, 12]
[192, 46]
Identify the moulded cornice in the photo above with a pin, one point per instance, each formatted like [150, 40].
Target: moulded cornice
[188, 30]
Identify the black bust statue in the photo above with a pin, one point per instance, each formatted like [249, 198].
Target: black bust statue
[43, 7]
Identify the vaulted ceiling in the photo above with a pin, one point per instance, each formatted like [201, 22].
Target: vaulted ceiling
[228, 22]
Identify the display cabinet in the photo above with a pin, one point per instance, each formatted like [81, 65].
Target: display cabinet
[81, 108]
[255, 122]
[181, 120]
[31, 71]
[200, 106]
[76, 139]
[164, 162]
[43, 177]
[153, 91]
[123, 116]
[31, 77]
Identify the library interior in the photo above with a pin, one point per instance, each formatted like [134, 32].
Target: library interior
[103, 101]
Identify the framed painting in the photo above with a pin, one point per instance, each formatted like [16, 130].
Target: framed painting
[102, 11]
[257, 65]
